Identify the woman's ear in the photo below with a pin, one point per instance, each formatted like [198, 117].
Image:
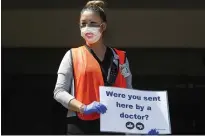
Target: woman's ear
[104, 26]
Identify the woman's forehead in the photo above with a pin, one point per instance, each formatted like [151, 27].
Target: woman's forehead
[88, 15]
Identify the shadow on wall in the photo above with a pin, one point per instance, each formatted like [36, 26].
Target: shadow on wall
[28, 106]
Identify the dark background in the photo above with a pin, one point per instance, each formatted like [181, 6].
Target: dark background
[114, 4]
[31, 55]
[28, 106]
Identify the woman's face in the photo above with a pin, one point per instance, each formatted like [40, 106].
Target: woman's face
[91, 19]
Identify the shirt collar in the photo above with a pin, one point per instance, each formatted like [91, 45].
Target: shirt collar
[114, 53]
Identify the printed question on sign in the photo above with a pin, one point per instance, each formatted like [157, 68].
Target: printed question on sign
[138, 107]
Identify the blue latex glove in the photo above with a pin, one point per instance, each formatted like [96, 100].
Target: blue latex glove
[153, 132]
[94, 107]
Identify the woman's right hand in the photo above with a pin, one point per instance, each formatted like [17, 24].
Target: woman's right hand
[94, 107]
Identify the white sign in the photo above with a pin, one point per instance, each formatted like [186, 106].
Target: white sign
[134, 111]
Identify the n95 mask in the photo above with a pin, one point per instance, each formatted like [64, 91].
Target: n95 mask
[91, 34]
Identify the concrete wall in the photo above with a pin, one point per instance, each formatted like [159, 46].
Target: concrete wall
[127, 28]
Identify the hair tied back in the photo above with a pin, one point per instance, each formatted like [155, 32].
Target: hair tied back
[97, 3]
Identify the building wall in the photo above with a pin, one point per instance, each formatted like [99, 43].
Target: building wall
[126, 28]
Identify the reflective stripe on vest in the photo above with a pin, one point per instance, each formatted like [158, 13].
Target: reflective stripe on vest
[88, 77]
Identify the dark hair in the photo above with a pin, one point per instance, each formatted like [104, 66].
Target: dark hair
[96, 6]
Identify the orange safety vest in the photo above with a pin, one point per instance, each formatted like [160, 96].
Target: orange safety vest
[88, 77]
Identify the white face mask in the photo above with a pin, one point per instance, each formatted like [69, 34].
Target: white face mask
[91, 34]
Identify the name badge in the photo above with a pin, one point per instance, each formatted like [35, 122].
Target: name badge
[124, 70]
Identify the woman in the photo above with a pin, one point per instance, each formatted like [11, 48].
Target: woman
[87, 67]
